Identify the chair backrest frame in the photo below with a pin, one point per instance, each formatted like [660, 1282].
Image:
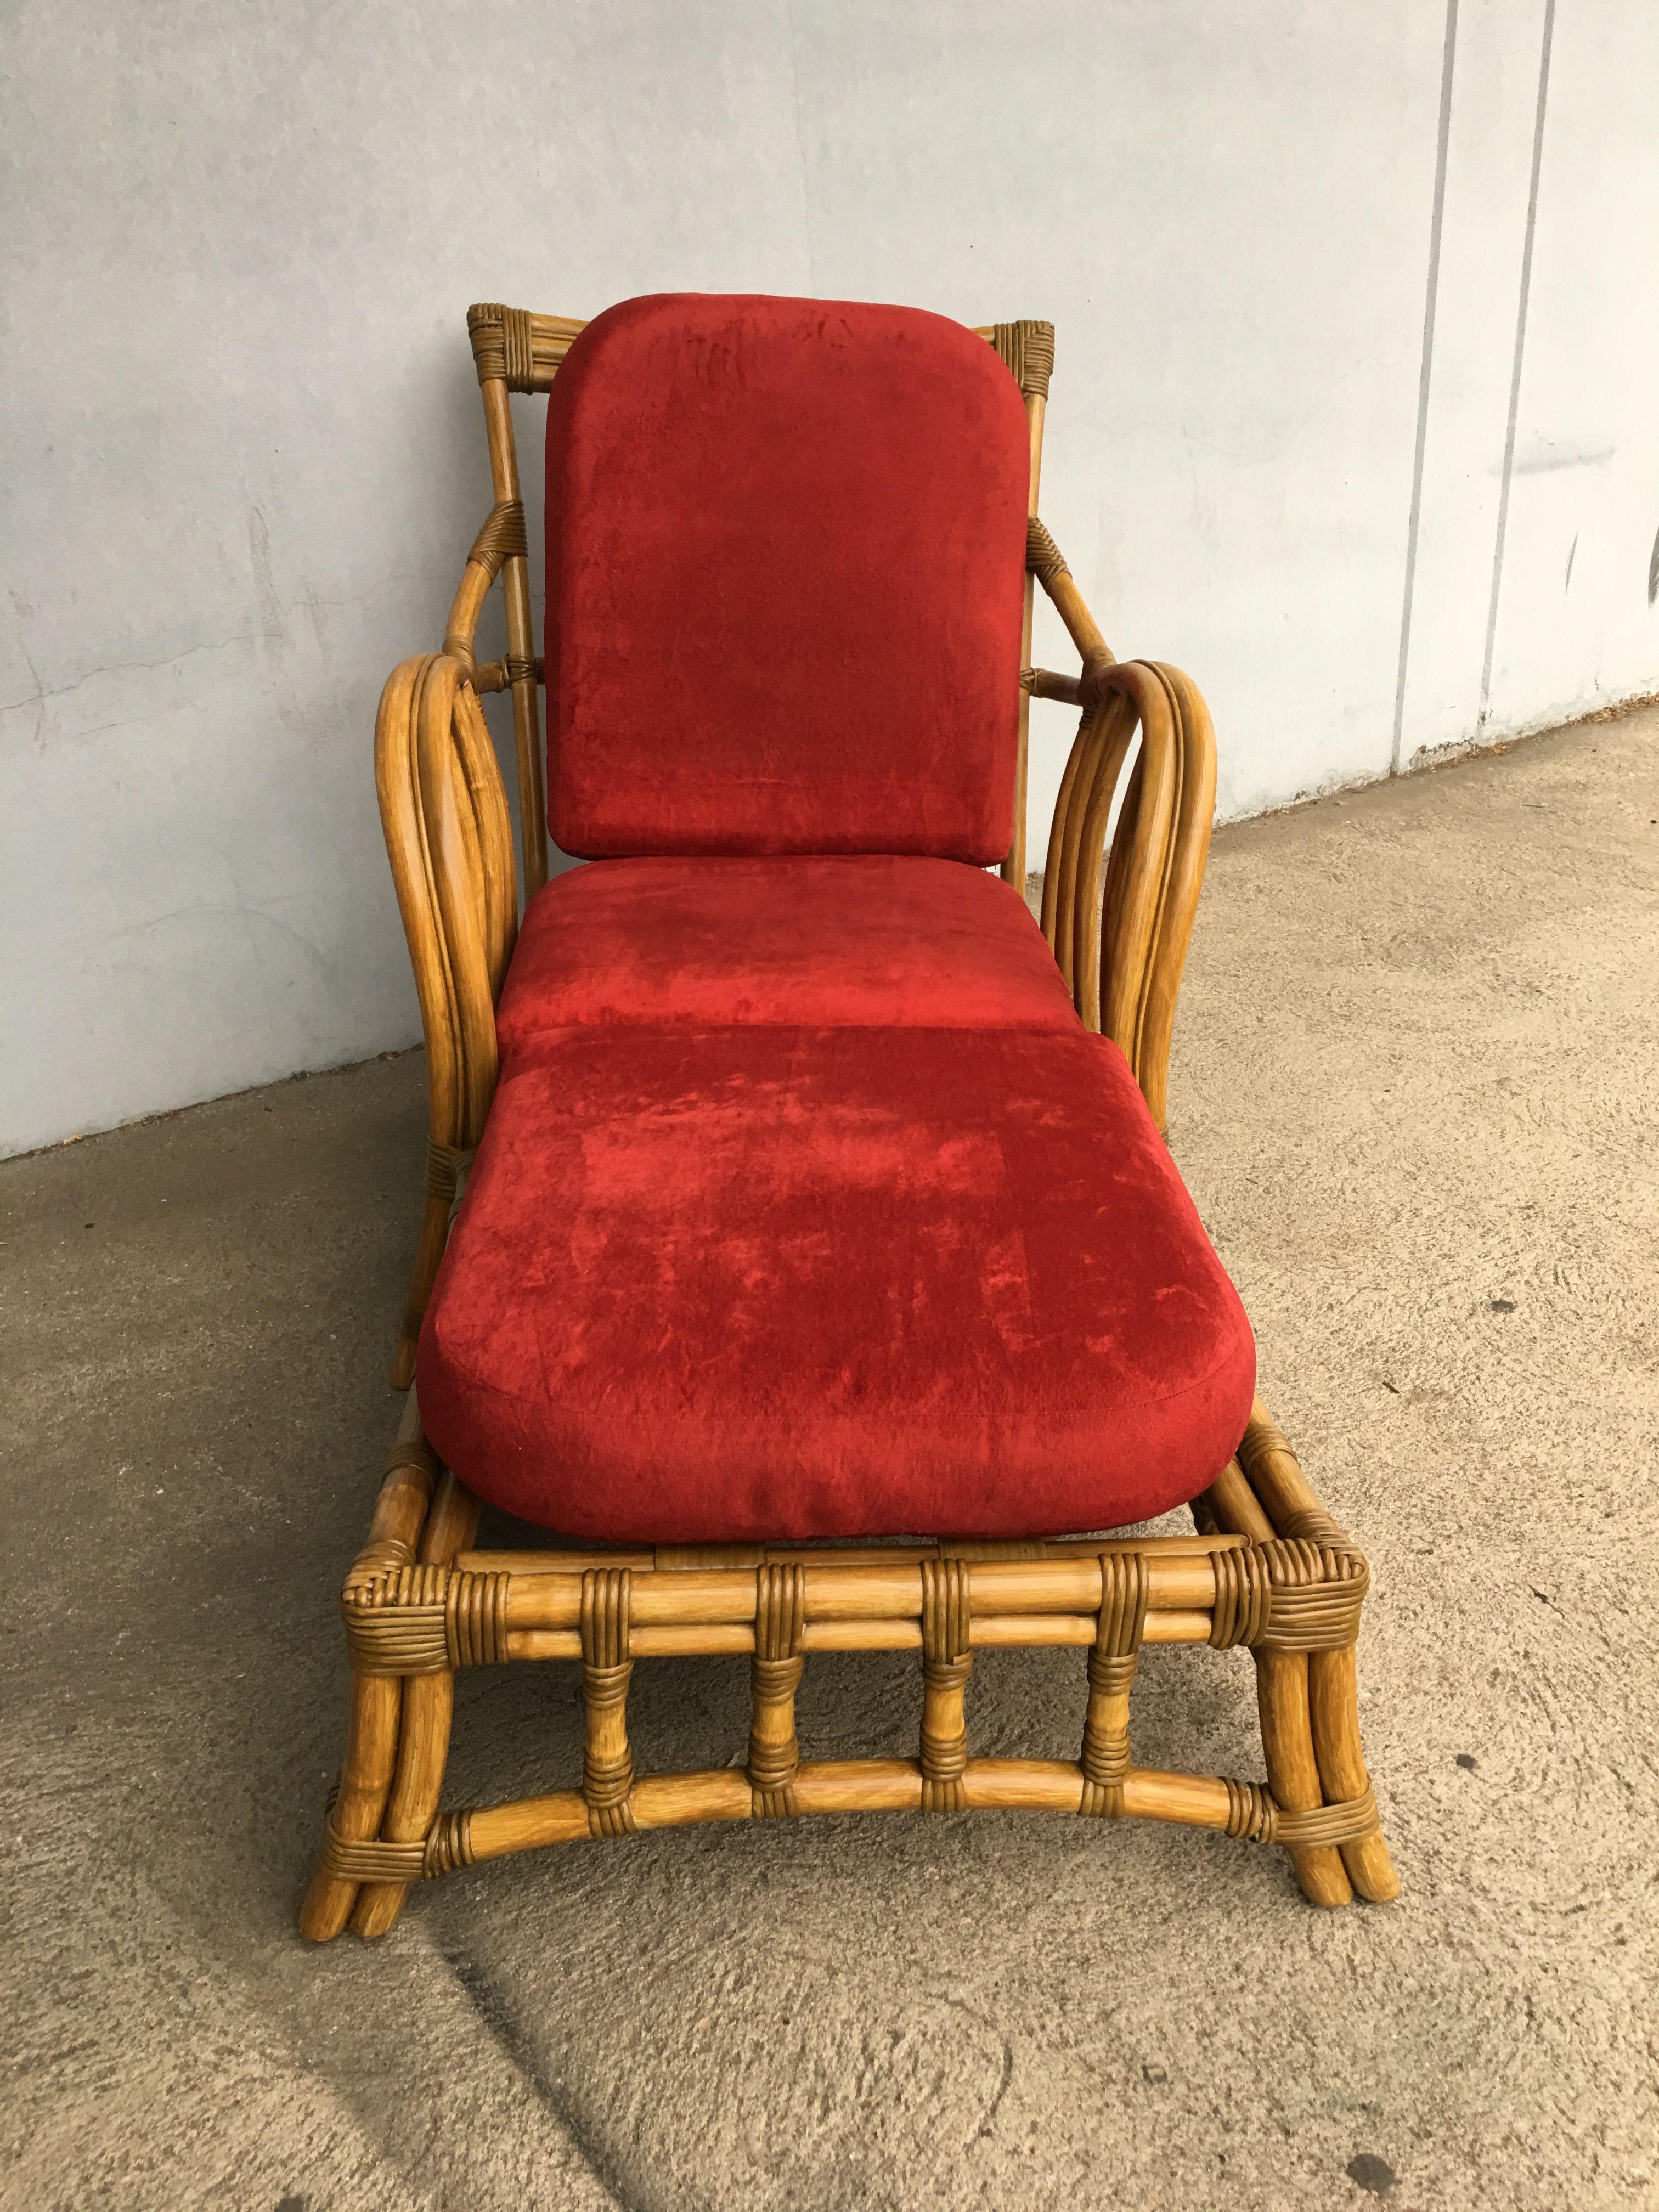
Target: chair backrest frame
[514, 350]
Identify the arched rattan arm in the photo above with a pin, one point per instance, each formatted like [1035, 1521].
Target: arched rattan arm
[397, 784]
[449, 842]
[1120, 920]
[1192, 819]
[500, 549]
[1119, 923]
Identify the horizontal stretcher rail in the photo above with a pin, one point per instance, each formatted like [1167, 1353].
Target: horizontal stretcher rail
[405, 1619]
[678, 1559]
[863, 1593]
[1223, 1806]
[1022, 1631]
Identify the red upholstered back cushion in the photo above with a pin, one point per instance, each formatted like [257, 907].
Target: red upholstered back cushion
[786, 546]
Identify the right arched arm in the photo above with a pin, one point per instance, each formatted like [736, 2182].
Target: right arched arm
[1119, 920]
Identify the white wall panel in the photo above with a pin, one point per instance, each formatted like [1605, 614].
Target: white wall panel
[1576, 623]
[1496, 59]
[245, 455]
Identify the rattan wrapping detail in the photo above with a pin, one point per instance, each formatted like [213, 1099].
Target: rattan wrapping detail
[1027, 350]
[501, 538]
[395, 1621]
[444, 1165]
[390, 1556]
[475, 1619]
[1112, 1664]
[1265, 1439]
[518, 668]
[775, 1677]
[1042, 557]
[448, 1846]
[372, 1860]
[946, 1660]
[1291, 1596]
[502, 345]
[415, 1454]
[1327, 1825]
[1251, 1812]
[1317, 1592]
[1319, 1528]
[607, 1664]
[1253, 1816]
[401, 1619]
[1242, 1595]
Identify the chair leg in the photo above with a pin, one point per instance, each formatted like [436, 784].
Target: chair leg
[1333, 1678]
[365, 1781]
[377, 1700]
[428, 1707]
[1287, 1739]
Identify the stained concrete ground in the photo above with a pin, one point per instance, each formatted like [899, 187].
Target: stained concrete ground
[1415, 1092]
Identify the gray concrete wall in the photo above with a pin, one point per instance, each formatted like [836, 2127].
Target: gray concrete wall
[1358, 312]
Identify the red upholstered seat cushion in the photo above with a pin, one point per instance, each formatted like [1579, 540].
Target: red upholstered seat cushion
[857, 939]
[769, 1282]
[785, 559]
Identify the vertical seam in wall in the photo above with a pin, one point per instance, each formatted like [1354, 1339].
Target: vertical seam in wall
[1430, 301]
[1520, 356]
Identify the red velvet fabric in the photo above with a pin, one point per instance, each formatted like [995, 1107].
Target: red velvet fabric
[770, 1282]
[784, 558]
[858, 940]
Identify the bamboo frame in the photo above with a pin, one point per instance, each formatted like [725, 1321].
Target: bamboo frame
[1268, 1570]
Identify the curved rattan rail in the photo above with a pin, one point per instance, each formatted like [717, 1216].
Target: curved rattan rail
[1268, 1570]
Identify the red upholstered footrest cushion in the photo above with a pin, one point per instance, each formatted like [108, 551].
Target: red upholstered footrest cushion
[749, 1282]
[864, 939]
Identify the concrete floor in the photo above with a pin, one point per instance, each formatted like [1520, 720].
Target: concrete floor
[1416, 1088]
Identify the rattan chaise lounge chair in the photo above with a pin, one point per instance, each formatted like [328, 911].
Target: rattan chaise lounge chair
[816, 1199]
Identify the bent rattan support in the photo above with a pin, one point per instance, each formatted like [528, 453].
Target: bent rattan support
[1269, 1572]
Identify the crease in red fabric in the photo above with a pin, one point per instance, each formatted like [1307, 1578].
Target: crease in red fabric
[747, 1282]
[857, 940]
[786, 546]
